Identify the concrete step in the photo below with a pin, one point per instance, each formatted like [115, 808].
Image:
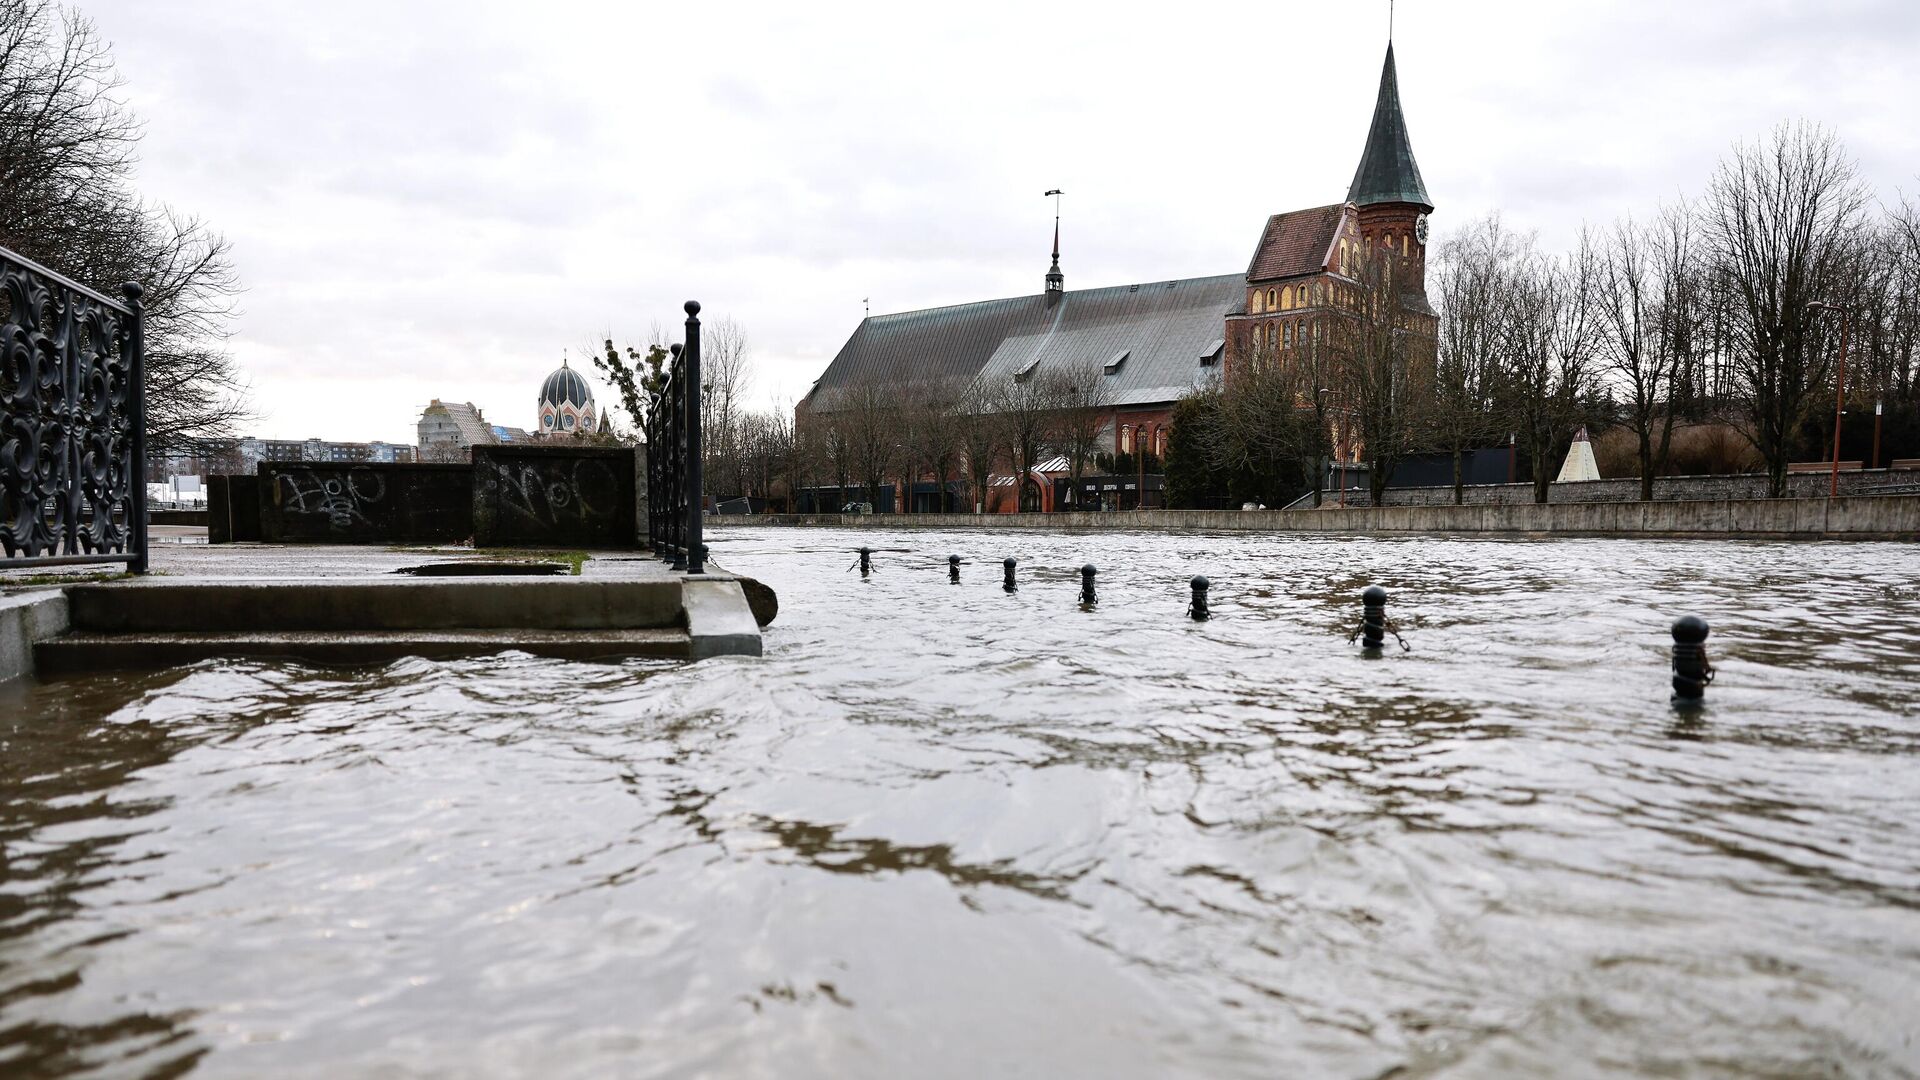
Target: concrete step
[84, 651]
[357, 605]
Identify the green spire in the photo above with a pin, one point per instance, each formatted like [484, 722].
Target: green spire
[1388, 173]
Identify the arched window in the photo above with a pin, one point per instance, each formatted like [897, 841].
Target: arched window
[1126, 439]
[1160, 443]
[1270, 304]
[1253, 305]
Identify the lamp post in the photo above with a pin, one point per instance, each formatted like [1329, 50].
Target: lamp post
[1876, 432]
[1513, 456]
[1839, 388]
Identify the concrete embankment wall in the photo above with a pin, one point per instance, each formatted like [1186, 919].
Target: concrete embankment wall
[1888, 517]
[1740, 486]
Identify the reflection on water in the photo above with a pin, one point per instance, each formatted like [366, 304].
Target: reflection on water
[944, 830]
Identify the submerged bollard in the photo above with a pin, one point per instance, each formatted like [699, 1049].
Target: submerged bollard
[1086, 585]
[953, 569]
[1010, 585]
[1198, 609]
[866, 561]
[1373, 621]
[1691, 671]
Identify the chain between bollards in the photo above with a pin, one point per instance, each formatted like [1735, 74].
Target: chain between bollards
[1198, 608]
[1374, 625]
[1691, 671]
[1010, 584]
[1087, 597]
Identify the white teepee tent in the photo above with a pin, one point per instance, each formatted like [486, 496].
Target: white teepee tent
[1580, 464]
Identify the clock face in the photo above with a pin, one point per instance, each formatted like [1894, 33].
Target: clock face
[1420, 228]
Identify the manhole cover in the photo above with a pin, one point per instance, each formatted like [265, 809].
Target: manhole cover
[477, 568]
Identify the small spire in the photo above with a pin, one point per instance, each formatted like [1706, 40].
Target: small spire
[1056, 281]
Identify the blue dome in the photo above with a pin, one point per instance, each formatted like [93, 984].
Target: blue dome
[566, 387]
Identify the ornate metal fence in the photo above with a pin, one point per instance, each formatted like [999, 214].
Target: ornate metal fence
[73, 484]
[674, 502]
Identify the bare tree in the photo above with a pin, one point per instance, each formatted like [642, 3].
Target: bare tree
[1552, 333]
[1029, 411]
[1646, 297]
[1083, 414]
[978, 417]
[869, 417]
[1784, 217]
[1474, 270]
[932, 426]
[1268, 419]
[1382, 389]
[726, 373]
[66, 200]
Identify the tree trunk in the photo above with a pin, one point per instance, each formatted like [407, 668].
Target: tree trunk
[1646, 461]
[1542, 480]
[1459, 477]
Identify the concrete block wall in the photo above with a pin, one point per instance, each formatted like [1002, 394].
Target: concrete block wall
[556, 495]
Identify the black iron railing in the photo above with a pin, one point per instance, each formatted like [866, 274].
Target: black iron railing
[73, 484]
[674, 502]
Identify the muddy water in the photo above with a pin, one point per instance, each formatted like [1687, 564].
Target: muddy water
[941, 830]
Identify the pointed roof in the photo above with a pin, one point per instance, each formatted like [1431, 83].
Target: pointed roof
[1388, 173]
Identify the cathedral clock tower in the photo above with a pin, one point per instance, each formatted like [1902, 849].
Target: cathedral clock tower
[1387, 191]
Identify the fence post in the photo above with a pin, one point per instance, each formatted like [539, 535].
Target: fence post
[136, 346]
[691, 358]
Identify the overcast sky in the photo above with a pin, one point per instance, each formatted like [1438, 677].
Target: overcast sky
[434, 199]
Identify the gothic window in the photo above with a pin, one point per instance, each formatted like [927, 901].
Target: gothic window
[1126, 439]
[1270, 304]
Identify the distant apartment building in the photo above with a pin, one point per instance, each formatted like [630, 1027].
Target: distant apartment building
[251, 452]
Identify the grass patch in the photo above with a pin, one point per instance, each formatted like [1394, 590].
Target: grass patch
[574, 559]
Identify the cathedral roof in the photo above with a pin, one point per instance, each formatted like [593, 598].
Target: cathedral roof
[1388, 173]
[565, 387]
[1296, 243]
[1150, 337]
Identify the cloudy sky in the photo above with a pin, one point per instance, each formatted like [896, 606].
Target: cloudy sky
[434, 199]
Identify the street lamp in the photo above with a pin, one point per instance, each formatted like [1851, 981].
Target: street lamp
[1876, 432]
[1839, 388]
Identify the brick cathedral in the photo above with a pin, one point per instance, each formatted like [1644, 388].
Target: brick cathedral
[1158, 340]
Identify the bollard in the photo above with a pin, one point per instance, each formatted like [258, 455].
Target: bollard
[1373, 623]
[1009, 584]
[1198, 609]
[1086, 585]
[866, 561]
[1691, 671]
[953, 569]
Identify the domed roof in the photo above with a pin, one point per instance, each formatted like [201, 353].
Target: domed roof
[565, 387]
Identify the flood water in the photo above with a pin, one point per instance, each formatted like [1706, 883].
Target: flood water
[942, 830]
